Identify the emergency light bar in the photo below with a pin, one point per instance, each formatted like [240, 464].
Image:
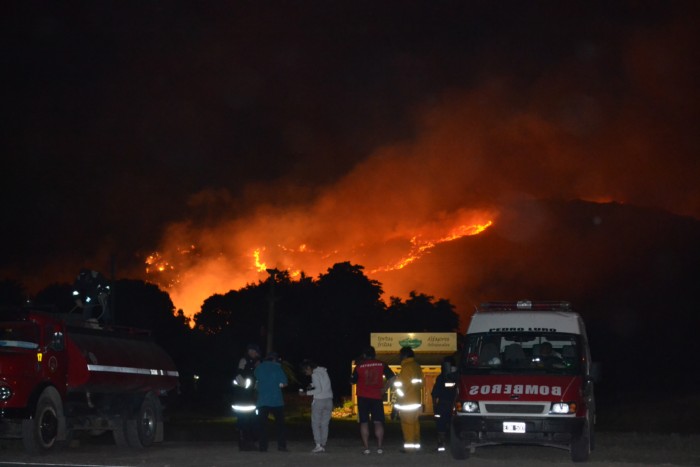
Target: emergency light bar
[529, 305]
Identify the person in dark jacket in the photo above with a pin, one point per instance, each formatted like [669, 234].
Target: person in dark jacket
[443, 394]
[244, 398]
[91, 292]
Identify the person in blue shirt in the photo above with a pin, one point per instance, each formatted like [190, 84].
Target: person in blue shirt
[271, 379]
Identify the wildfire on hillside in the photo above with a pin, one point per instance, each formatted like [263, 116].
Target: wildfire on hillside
[164, 271]
[420, 245]
[191, 278]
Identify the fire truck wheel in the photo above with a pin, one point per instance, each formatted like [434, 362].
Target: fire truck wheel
[40, 433]
[142, 431]
[581, 444]
[457, 446]
[119, 432]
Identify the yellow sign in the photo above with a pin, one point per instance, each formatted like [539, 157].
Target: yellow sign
[420, 342]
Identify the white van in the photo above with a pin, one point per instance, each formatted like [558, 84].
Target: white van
[525, 377]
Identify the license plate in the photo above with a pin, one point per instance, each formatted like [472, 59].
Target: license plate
[513, 427]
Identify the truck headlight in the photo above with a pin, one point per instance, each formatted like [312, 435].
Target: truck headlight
[563, 408]
[5, 393]
[468, 407]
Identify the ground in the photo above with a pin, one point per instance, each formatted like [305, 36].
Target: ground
[210, 442]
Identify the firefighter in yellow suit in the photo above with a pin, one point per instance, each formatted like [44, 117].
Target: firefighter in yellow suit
[408, 386]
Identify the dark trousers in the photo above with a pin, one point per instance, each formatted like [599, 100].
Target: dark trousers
[263, 414]
[442, 423]
[247, 430]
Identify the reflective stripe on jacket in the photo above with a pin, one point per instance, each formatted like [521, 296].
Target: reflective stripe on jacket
[408, 384]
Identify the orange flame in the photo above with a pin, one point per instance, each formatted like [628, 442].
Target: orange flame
[190, 282]
[422, 246]
[259, 266]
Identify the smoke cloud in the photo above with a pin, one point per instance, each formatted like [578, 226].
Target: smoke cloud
[476, 152]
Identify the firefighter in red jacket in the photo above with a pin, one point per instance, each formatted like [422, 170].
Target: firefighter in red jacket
[408, 386]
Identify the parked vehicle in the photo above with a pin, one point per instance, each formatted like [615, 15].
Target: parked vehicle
[61, 375]
[526, 377]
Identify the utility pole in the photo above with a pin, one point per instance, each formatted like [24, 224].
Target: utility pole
[271, 310]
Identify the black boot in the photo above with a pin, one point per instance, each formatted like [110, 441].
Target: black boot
[441, 442]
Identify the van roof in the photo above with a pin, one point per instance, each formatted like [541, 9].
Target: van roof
[526, 321]
[534, 305]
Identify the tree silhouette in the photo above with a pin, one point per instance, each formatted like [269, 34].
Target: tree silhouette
[349, 309]
[57, 296]
[12, 293]
[421, 313]
[328, 320]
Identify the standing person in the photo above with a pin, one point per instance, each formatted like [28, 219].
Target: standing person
[322, 404]
[372, 378]
[91, 291]
[244, 398]
[443, 394]
[271, 380]
[408, 387]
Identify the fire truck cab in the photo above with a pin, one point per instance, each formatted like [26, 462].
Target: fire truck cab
[526, 377]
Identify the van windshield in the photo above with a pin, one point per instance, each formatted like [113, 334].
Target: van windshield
[19, 335]
[522, 353]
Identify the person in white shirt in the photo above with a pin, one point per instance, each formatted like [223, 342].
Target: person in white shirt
[322, 404]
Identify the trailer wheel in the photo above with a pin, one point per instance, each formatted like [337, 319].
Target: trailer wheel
[457, 446]
[141, 432]
[40, 433]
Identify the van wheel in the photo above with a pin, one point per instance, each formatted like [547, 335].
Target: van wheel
[141, 432]
[457, 446]
[40, 433]
[581, 444]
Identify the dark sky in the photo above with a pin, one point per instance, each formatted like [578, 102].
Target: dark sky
[338, 128]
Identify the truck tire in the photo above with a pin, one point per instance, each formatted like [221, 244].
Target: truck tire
[40, 433]
[457, 447]
[119, 432]
[581, 444]
[142, 431]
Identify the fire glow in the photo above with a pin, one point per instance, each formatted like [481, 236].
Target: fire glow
[183, 275]
[421, 246]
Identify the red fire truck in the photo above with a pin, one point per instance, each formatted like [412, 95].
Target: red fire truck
[526, 377]
[58, 376]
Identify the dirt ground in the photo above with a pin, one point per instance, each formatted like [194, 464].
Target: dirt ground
[211, 443]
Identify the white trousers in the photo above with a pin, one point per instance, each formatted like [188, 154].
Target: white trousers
[320, 418]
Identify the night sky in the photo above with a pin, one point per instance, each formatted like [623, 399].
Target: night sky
[316, 132]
